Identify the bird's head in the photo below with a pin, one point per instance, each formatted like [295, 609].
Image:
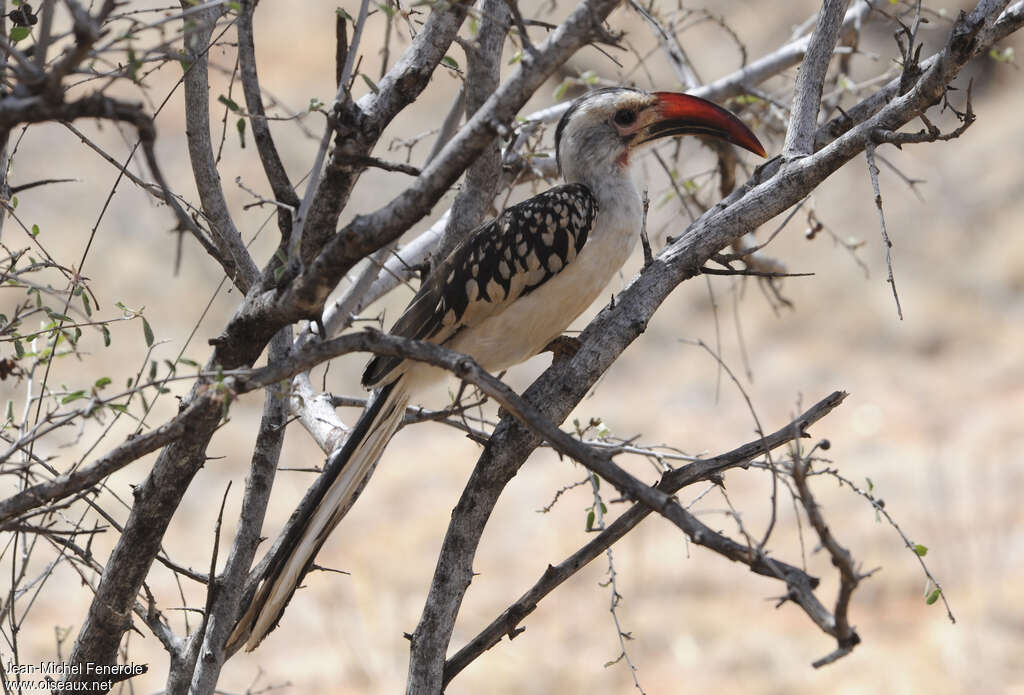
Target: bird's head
[601, 129]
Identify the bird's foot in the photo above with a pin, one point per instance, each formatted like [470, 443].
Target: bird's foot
[563, 347]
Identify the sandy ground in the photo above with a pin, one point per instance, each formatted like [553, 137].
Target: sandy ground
[933, 419]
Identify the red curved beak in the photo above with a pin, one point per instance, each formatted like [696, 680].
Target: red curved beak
[682, 114]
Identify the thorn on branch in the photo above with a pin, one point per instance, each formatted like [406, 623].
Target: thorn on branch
[869, 153]
[524, 38]
[367, 161]
[341, 50]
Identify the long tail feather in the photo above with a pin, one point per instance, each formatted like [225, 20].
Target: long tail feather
[344, 477]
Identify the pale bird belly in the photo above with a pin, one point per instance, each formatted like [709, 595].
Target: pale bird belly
[534, 320]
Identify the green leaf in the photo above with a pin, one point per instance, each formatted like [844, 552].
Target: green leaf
[35, 230]
[19, 33]
[229, 102]
[345, 15]
[106, 336]
[119, 407]
[1005, 55]
[133, 65]
[236, 6]
[590, 520]
[58, 317]
[152, 370]
[933, 597]
[187, 361]
[14, 204]
[72, 397]
[369, 83]
[147, 331]
[920, 550]
[87, 304]
[240, 125]
[450, 62]
[101, 382]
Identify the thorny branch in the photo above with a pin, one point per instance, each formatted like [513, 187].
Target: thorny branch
[276, 301]
[772, 190]
[673, 481]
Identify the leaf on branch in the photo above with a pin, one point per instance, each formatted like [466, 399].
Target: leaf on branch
[921, 550]
[74, 396]
[229, 102]
[147, 332]
[241, 132]
[1004, 55]
[933, 597]
[19, 33]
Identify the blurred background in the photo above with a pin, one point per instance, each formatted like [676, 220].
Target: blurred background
[934, 417]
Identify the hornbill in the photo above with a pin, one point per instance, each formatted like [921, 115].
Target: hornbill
[503, 294]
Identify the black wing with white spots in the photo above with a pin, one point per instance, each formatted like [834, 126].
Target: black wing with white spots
[499, 262]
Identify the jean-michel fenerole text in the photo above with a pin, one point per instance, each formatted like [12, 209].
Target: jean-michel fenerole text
[59, 668]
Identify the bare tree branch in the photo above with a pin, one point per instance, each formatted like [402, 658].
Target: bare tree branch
[272, 165]
[564, 384]
[84, 478]
[305, 296]
[36, 91]
[358, 126]
[483, 75]
[226, 591]
[838, 625]
[708, 469]
[241, 268]
[803, 119]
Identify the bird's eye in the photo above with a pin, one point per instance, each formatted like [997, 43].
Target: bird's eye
[625, 117]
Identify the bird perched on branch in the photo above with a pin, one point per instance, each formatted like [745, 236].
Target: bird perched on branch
[514, 285]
